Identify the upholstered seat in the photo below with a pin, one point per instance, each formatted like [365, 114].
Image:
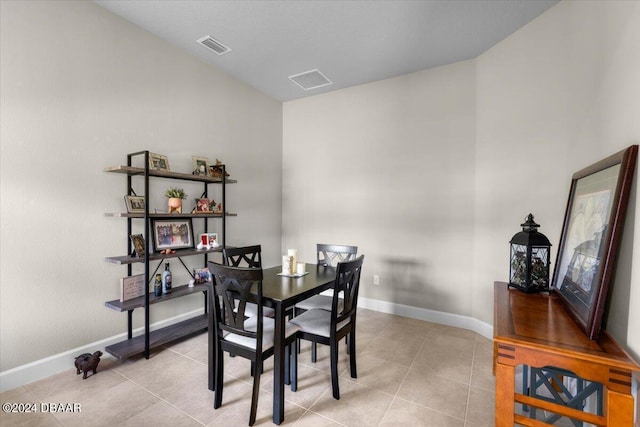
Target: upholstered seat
[268, 329]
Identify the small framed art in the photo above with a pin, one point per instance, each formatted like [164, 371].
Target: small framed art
[132, 287]
[138, 245]
[200, 165]
[202, 206]
[135, 204]
[158, 162]
[172, 234]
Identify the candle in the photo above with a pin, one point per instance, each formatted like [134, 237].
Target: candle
[287, 265]
[293, 253]
[300, 269]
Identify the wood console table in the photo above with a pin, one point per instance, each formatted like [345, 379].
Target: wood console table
[535, 330]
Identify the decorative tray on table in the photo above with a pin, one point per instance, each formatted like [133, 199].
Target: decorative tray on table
[294, 275]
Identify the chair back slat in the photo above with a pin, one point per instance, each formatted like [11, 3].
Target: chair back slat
[232, 290]
[347, 282]
[246, 256]
[327, 254]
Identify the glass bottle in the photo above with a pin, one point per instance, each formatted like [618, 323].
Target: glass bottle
[166, 279]
[157, 287]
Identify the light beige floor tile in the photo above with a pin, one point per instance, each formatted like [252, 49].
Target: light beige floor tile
[455, 332]
[481, 409]
[238, 413]
[439, 344]
[377, 373]
[311, 385]
[189, 344]
[358, 405]
[27, 410]
[445, 364]
[482, 374]
[110, 407]
[403, 413]
[424, 387]
[311, 419]
[161, 414]
[397, 351]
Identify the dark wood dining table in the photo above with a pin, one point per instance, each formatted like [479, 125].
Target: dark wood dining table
[281, 293]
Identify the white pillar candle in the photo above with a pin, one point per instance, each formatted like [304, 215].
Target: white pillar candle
[293, 253]
[300, 268]
[287, 265]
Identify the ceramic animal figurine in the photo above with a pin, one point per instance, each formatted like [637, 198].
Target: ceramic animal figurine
[87, 362]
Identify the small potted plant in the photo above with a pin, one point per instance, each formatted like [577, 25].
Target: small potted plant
[176, 196]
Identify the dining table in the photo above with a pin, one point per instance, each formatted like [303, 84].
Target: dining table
[281, 292]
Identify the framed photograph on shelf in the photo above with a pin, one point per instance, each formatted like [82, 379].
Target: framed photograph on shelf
[202, 206]
[590, 238]
[200, 165]
[139, 248]
[135, 204]
[201, 275]
[158, 162]
[172, 234]
[132, 287]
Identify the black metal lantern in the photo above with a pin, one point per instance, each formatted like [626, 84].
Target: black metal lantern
[529, 267]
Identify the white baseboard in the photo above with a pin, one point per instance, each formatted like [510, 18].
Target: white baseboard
[60, 362]
[51, 365]
[443, 318]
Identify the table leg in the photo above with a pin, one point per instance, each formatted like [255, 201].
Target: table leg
[505, 390]
[278, 366]
[619, 408]
[211, 347]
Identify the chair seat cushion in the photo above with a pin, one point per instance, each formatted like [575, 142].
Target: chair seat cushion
[317, 322]
[268, 333]
[251, 310]
[319, 302]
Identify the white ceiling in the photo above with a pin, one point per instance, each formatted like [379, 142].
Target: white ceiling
[351, 42]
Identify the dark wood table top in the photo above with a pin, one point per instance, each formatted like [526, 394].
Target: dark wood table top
[289, 290]
[540, 321]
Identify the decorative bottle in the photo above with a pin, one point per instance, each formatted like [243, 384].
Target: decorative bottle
[166, 279]
[157, 287]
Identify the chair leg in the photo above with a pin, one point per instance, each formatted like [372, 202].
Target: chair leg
[254, 396]
[346, 342]
[219, 379]
[314, 354]
[334, 370]
[294, 366]
[352, 353]
[287, 366]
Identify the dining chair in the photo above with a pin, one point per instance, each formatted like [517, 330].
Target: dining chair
[247, 256]
[329, 327]
[248, 337]
[326, 255]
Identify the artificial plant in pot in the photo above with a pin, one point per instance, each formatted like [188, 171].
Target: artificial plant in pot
[176, 196]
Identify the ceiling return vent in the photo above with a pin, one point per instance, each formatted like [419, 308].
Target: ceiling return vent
[214, 45]
[312, 79]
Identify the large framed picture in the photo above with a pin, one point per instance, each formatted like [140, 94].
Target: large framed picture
[590, 238]
[135, 204]
[172, 234]
[158, 162]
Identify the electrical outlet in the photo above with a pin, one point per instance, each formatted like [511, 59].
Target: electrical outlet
[376, 279]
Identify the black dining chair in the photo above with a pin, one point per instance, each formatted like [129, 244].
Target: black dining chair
[329, 327]
[247, 256]
[237, 334]
[327, 256]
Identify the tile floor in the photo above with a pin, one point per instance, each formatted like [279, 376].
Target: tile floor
[410, 373]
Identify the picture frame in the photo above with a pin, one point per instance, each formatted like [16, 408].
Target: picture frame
[201, 275]
[209, 240]
[172, 234]
[135, 204]
[139, 247]
[200, 165]
[202, 206]
[590, 237]
[158, 162]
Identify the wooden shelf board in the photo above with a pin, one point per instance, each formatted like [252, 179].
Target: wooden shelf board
[176, 292]
[166, 215]
[128, 348]
[127, 259]
[130, 170]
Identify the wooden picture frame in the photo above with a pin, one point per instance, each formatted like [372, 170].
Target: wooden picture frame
[135, 204]
[590, 238]
[200, 165]
[172, 234]
[158, 162]
[139, 247]
[202, 206]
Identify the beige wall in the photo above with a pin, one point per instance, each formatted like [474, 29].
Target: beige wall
[81, 88]
[432, 173]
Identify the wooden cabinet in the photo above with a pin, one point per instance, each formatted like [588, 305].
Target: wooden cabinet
[142, 176]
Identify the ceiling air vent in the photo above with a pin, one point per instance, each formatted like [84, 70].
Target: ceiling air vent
[312, 79]
[214, 45]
